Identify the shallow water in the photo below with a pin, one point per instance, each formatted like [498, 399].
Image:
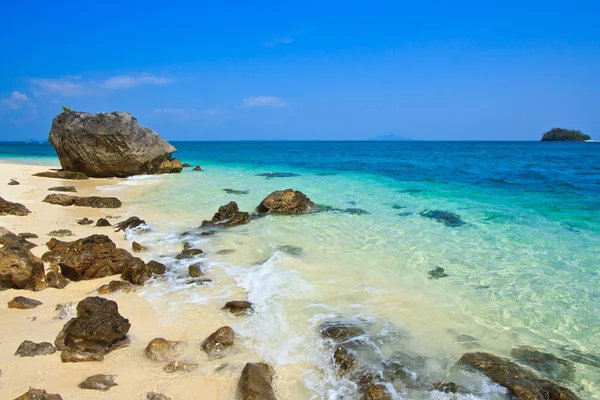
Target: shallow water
[522, 259]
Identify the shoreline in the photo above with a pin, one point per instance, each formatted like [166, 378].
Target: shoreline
[136, 374]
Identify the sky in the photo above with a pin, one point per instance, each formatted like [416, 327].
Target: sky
[310, 70]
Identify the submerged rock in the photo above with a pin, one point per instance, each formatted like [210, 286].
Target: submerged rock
[10, 208]
[340, 331]
[256, 382]
[446, 387]
[31, 349]
[63, 189]
[85, 221]
[180, 366]
[56, 280]
[38, 394]
[278, 174]
[221, 339]
[139, 273]
[582, 358]
[228, 215]
[97, 329]
[103, 222]
[356, 211]
[195, 270]
[520, 382]
[235, 191]
[19, 268]
[238, 306]
[160, 349]
[115, 286]
[546, 363]
[291, 249]
[99, 382]
[60, 233]
[23, 303]
[225, 252]
[437, 273]
[287, 201]
[185, 165]
[90, 201]
[95, 256]
[197, 168]
[62, 175]
[344, 360]
[129, 223]
[445, 217]
[188, 253]
[107, 145]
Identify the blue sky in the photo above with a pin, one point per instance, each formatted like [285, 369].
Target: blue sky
[435, 70]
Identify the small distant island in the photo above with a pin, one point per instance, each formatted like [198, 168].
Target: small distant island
[564, 135]
[389, 137]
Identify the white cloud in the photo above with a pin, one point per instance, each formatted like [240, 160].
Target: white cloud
[64, 87]
[182, 114]
[128, 81]
[263, 101]
[16, 100]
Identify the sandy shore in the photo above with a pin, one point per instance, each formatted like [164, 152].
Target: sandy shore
[136, 374]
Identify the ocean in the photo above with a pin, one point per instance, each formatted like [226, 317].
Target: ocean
[514, 225]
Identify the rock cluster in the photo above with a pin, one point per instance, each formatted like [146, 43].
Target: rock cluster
[228, 215]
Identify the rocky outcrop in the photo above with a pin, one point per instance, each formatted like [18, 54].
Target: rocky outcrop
[548, 364]
[129, 223]
[67, 200]
[19, 268]
[38, 394]
[92, 257]
[99, 382]
[238, 306]
[23, 303]
[62, 175]
[97, 329]
[169, 167]
[102, 222]
[115, 286]
[56, 280]
[108, 144]
[218, 341]
[287, 201]
[520, 382]
[63, 189]
[10, 208]
[256, 382]
[31, 349]
[228, 215]
[139, 273]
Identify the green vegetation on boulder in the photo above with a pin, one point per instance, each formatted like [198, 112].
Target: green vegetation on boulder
[564, 135]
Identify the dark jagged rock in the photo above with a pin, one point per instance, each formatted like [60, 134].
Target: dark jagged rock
[238, 306]
[278, 174]
[208, 233]
[31, 349]
[63, 189]
[13, 182]
[221, 339]
[340, 331]
[10, 208]
[97, 329]
[344, 360]
[99, 382]
[445, 217]
[135, 246]
[197, 168]
[520, 382]
[446, 387]
[19, 268]
[85, 221]
[237, 192]
[228, 215]
[546, 363]
[23, 303]
[180, 366]
[356, 211]
[195, 270]
[256, 382]
[156, 396]
[60, 233]
[38, 394]
[27, 235]
[188, 253]
[160, 349]
[56, 280]
[129, 223]
[437, 273]
[62, 175]
[115, 286]
[287, 201]
[95, 256]
[139, 273]
[108, 145]
[67, 200]
[102, 222]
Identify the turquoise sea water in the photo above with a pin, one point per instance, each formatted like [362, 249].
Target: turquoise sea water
[523, 260]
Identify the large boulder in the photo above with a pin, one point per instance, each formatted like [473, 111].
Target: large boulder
[255, 382]
[109, 144]
[10, 208]
[522, 383]
[92, 257]
[97, 329]
[228, 215]
[19, 268]
[221, 339]
[287, 201]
